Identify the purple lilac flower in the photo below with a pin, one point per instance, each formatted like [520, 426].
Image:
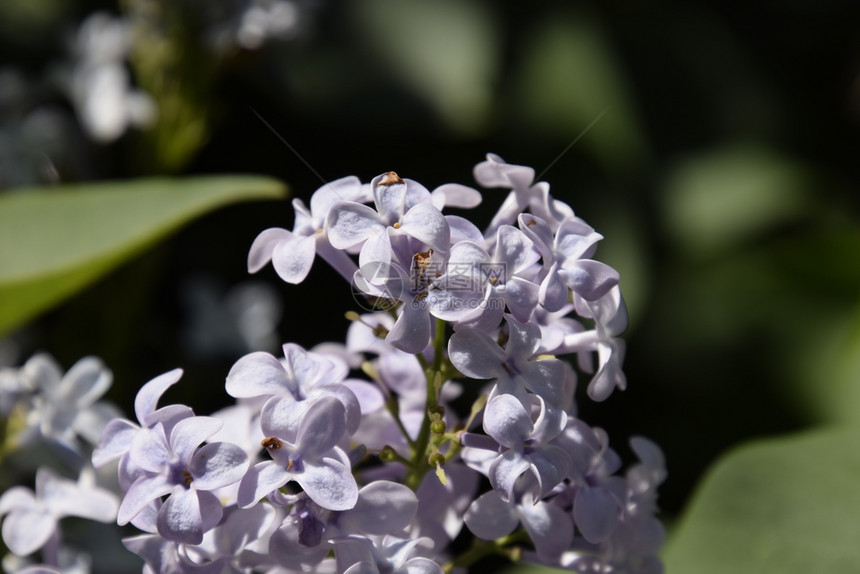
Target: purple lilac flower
[32, 518]
[64, 407]
[314, 460]
[495, 172]
[118, 434]
[500, 278]
[549, 527]
[302, 377]
[476, 355]
[404, 209]
[292, 253]
[567, 263]
[610, 320]
[383, 507]
[524, 445]
[388, 555]
[175, 464]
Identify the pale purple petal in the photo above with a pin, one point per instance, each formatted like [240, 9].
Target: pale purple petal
[390, 199]
[475, 354]
[281, 417]
[514, 249]
[457, 304]
[575, 239]
[24, 532]
[149, 449]
[67, 498]
[307, 368]
[211, 510]
[84, 383]
[463, 230]
[349, 223]
[544, 378]
[329, 483]
[523, 338]
[115, 441]
[539, 232]
[588, 278]
[490, 517]
[257, 374]
[427, 224]
[344, 189]
[190, 433]
[550, 466]
[504, 472]
[402, 373]
[322, 427]
[495, 172]
[347, 398]
[217, 464]
[17, 497]
[263, 246]
[549, 527]
[148, 395]
[465, 255]
[507, 421]
[383, 507]
[292, 259]
[179, 518]
[168, 416]
[421, 565]
[521, 297]
[595, 511]
[375, 256]
[455, 195]
[259, 481]
[411, 331]
[370, 397]
[610, 374]
[144, 490]
[553, 290]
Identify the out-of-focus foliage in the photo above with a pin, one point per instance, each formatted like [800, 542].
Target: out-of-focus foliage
[55, 241]
[784, 505]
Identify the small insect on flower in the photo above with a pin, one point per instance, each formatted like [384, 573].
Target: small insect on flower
[271, 443]
[390, 178]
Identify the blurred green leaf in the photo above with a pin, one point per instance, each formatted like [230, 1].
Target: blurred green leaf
[781, 506]
[721, 198]
[54, 241]
[446, 51]
[825, 370]
[569, 78]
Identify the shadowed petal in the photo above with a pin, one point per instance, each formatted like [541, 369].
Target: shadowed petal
[259, 481]
[490, 517]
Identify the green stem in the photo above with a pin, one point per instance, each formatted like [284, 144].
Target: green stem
[420, 448]
[394, 409]
[483, 548]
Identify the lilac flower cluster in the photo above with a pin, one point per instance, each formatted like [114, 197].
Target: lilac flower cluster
[352, 458]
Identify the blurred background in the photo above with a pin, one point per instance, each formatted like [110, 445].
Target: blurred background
[713, 144]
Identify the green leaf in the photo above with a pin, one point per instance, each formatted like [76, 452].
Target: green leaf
[781, 506]
[445, 51]
[718, 200]
[55, 241]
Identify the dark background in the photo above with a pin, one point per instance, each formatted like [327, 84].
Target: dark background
[723, 174]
